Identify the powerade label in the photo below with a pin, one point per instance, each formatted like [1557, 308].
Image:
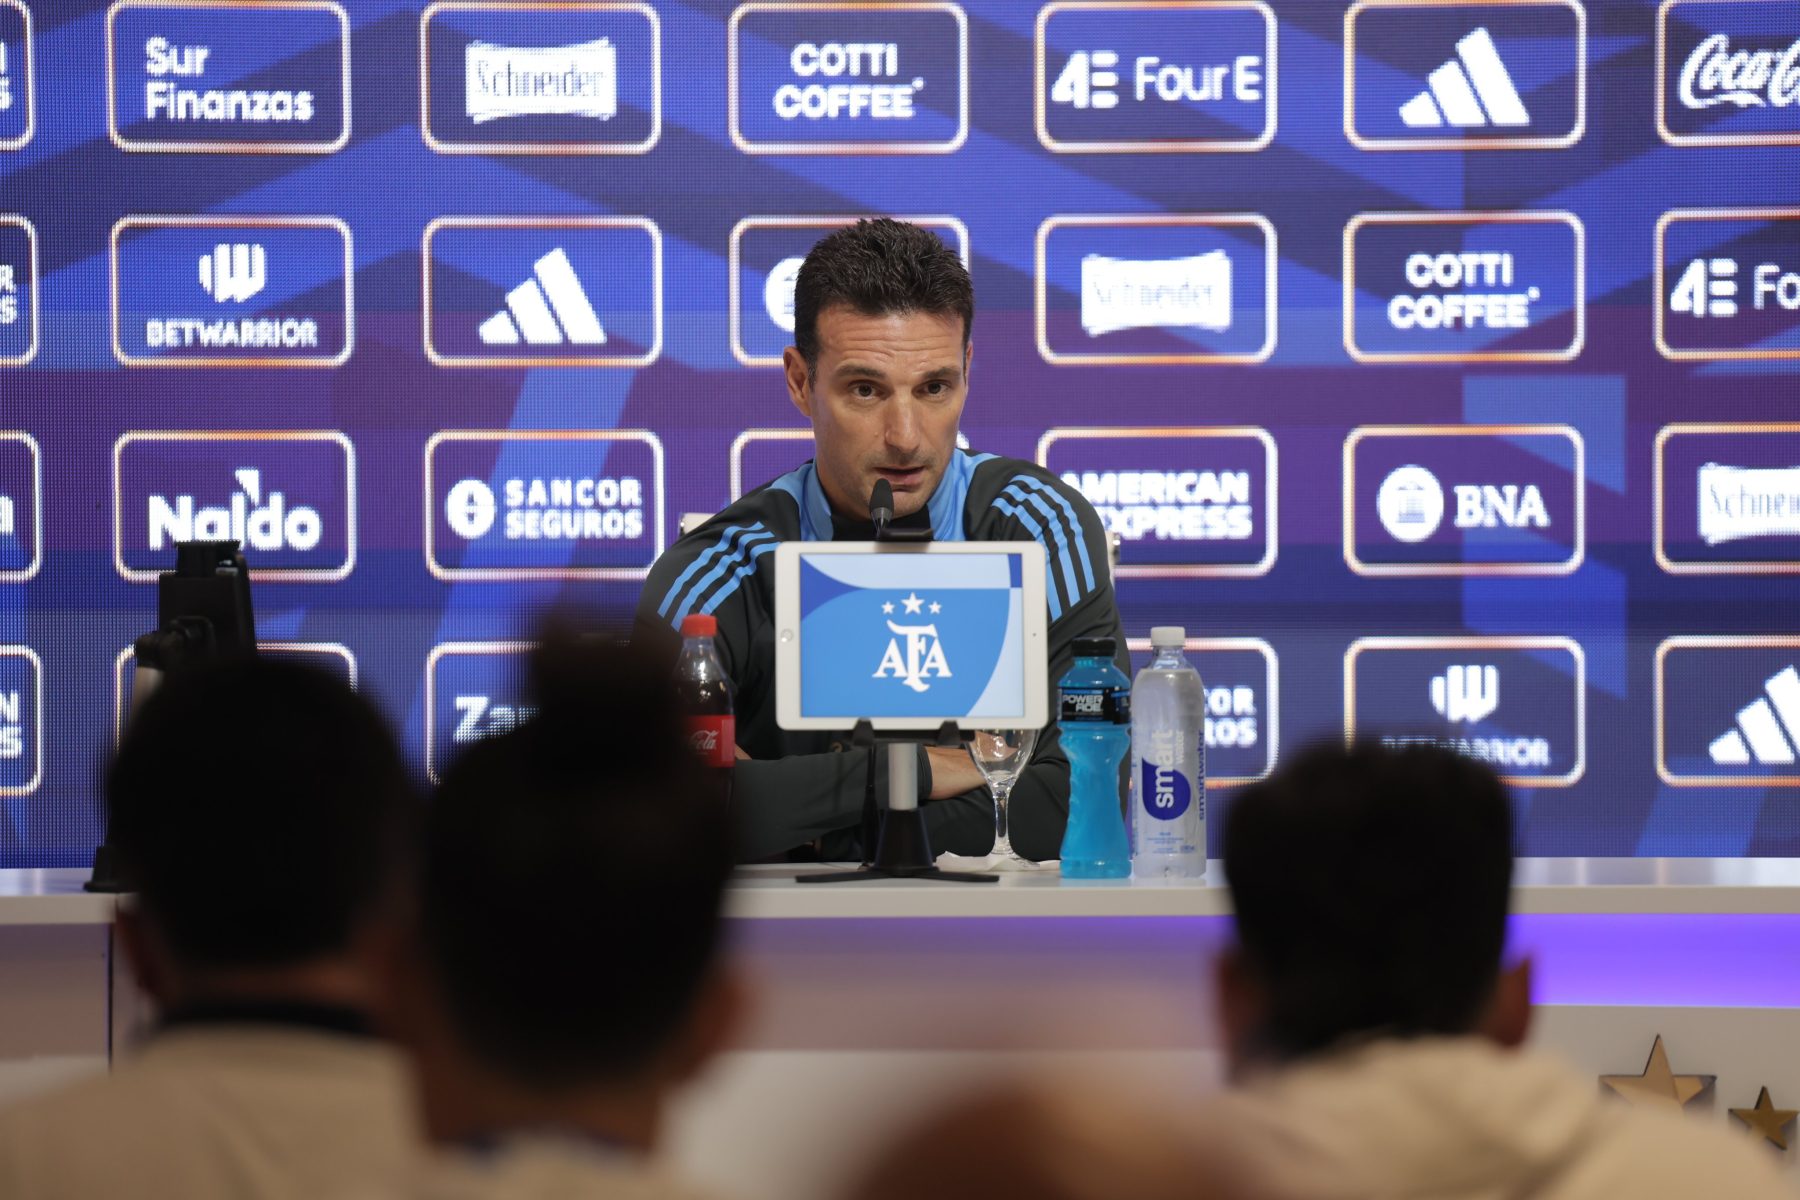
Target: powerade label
[713, 739]
[1167, 792]
[1102, 706]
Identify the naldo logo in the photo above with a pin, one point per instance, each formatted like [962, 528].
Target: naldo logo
[288, 497]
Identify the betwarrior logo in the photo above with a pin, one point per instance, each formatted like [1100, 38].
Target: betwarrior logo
[264, 522]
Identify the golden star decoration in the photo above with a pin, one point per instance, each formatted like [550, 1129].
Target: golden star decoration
[1658, 1086]
[1767, 1120]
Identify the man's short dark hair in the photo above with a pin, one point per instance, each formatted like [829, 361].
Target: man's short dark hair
[261, 811]
[573, 875]
[1371, 889]
[880, 266]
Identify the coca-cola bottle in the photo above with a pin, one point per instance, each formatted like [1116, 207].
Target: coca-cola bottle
[706, 695]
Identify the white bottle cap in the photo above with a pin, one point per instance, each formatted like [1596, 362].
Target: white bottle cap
[1168, 637]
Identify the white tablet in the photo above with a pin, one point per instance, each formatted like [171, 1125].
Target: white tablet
[910, 635]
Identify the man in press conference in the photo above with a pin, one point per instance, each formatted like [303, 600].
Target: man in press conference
[883, 314]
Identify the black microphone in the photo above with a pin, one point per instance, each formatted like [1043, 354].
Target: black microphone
[881, 508]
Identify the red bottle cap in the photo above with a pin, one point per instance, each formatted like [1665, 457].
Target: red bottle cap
[699, 625]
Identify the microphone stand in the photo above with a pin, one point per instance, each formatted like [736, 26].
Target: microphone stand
[895, 843]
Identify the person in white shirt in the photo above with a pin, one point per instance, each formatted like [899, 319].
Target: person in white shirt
[1375, 1037]
[567, 981]
[263, 816]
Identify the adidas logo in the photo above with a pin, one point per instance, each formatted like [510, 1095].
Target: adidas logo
[1758, 737]
[1470, 91]
[549, 309]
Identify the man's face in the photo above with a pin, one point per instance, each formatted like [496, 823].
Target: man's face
[884, 403]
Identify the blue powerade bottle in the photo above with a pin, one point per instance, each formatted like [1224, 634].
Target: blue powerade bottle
[1096, 735]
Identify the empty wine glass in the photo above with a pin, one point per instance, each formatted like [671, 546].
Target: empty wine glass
[1000, 754]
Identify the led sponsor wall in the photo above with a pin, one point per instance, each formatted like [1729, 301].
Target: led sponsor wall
[1433, 362]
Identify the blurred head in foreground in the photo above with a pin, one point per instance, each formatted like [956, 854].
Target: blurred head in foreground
[261, 812]
[568, 970]
[1050, 1139]
[1371, 888]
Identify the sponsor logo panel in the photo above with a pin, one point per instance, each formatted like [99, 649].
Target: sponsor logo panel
[232, 292]
[1728, 72]
[1145, 290]
[1158, 77]
[1518, 704]
[330, 657]
[21, 507]
[1502, 75]
[1242, 679]
[1728, 499]
[21, 721]
[1728, 711]
[18, 290]
[18, 112]
[543, 505]
[759, 455]
[543, 292]
[849, 78]
[1728, 284]
[1465, 287]
[229, 77]
[472, 690]
[289, 496]
[1464, 500]
[541, 78]
[766, 253]
[1184, 502]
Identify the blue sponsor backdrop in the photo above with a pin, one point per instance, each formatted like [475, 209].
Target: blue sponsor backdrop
[73, 184]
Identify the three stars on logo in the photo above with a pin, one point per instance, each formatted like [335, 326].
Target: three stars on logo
[912, 604]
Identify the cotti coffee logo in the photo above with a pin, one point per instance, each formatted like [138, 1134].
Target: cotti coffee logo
[1155, 78]
[472, 690]
[18, 92]
[1728, 711]
[1464, 500]
[228, 77]
[1464, 287]
[232, 292]
[1728, 499]
[1518, 704]
[1729, 284]
[543, 504]
[541, 78]
[21, 507]
[1499, 75]
[1728, 72]
[849, 78]
[288, 496]
[1184, 502]
[21, 721]
[1156, 290]
[766, 253]
[1243, 709]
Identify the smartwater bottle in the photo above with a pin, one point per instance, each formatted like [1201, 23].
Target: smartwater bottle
[1095, 722]
[1168, 763]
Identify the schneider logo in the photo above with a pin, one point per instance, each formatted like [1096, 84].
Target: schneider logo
[1181, 502]
[1728, 73]
[1464, 500]
[1155, 77]
[1464, 287]
[1516, 703]
[288, 497]
[540, 77]
[1729, 283]
[543, 505]
[1728, 499]
[196, 76]
[848, 78]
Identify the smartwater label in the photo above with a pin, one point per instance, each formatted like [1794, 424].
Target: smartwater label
[271, 77]
[550, 504]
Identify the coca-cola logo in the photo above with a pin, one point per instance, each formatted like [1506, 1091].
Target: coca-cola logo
[704, 741]
[1716, 74]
